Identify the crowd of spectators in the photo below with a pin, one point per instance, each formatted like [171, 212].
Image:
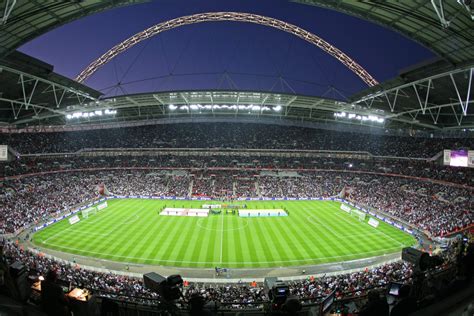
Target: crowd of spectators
[32, 199]
[229, 135]
[228, 295]
[412, 168]
[434, 207]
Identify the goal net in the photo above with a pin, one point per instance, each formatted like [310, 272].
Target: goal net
[89, 211]
[359, 214]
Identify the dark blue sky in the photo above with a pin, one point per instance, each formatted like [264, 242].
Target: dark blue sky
[254, 57]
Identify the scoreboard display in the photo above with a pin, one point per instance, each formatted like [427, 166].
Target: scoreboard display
[458, 158]
[3, 152]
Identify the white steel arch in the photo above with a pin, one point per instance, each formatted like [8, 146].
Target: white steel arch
[228, 16]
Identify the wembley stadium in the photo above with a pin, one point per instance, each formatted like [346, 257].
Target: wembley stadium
[283, 157]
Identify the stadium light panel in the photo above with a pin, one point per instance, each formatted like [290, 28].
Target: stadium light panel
[363, 118]
[249, 108]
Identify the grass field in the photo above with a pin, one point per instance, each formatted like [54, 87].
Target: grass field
[130, 230]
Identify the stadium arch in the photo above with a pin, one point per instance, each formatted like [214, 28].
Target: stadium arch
[228, 16]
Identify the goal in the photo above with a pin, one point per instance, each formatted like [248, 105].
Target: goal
[359, 214]
[89, 211]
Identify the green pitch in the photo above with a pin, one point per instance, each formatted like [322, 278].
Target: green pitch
[131, 230]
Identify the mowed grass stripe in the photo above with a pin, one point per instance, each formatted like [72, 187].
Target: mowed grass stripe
[228, 248]
[234, 240]
[76, 239]
[361, 240]
[116, 233]
[104, 237]
[169, 244]
[320, 249]
[152, 237]
[337, 229]
[377, 246]
[188, 241]
[210, 247]
[125, 233]
[249, 243]
[261, 234]
[315, 227]
[383, 229]
[165, 226]
[290, 241]
[326, 236]
[145, 237]
[108, 227]
[274, 231]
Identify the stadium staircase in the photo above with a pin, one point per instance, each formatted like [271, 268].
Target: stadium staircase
[234, 188]
[257, 189]
[190, 189]
[168, 183]
[213, 184]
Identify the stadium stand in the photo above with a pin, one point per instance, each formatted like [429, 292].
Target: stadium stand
[237, 135]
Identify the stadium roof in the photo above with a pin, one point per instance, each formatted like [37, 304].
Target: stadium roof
[29, 88]
[433, 97]
[24, 20]
[32, 94]
[446, 27]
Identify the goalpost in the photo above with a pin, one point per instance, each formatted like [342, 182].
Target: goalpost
[89, 211]
[359, 214]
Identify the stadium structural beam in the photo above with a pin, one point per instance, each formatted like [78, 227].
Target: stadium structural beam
[9, 5]
[29, 87]
[235, 17]
[439, 9]
[392, 96]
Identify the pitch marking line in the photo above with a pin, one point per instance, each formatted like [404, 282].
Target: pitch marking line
[375, 229]
[126, 221]
[57, 234]
[222, 236]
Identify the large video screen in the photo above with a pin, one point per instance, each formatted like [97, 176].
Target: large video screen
[459, 158]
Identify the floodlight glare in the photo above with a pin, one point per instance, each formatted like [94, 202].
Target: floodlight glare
[364, 118]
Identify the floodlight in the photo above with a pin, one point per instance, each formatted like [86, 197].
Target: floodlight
[277, 108]
[172, 107]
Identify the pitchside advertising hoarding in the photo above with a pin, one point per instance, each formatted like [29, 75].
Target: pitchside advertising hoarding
[458, 158]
